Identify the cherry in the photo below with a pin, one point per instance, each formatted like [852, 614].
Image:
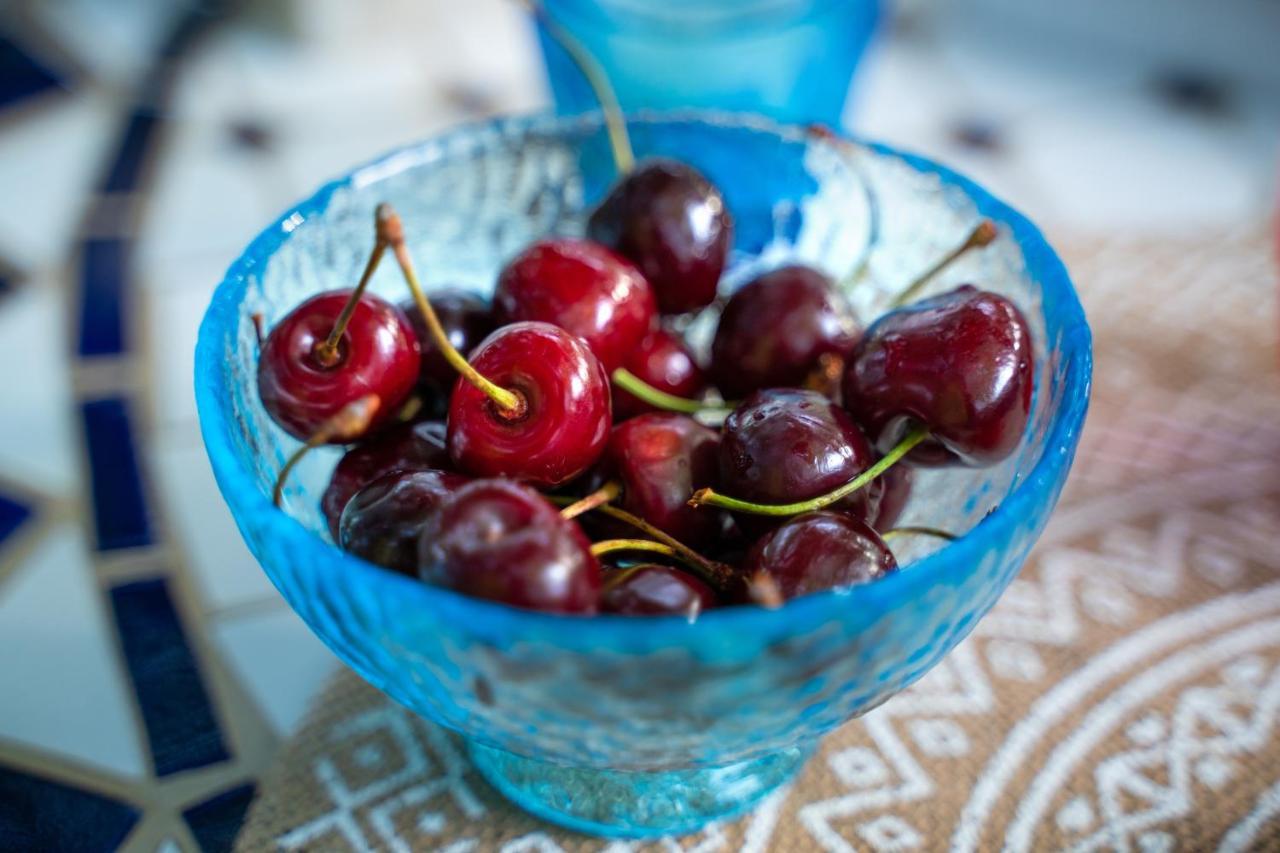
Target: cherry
[502, 541]
[303, 381]
[383, 522]
[672, 223]
[785, 445]
[660, 459]
[563, 422]
[654, 590]
[775, 330]
[408, 447]
[585, 289]
[663, 361]
[960, 364]
[466, 320]
[890, 492]
[818, 551]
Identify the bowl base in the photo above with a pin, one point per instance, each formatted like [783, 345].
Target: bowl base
[622, 804]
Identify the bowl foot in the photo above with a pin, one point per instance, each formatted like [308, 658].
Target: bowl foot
[624, 804]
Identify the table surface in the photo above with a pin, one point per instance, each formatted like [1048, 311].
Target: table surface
[151, 669]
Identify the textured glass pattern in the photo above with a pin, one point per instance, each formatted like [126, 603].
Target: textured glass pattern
[644, 695]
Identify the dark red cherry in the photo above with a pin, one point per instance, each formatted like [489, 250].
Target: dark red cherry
[467, 320]
[377, 354]
[672, 223]
[776, 328]
[661, 459]
[960, 363]
[564, 421]
[383, 522]
[653, 590]
[499, 540]
[408, 447]
[818, 551]
[663, 360]
[784, 445]
[585, 289]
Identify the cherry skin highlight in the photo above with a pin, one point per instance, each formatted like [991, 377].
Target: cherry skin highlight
[565, 419]
[408, 447]
[585, 289]
[467, 320]
[653, 590]
[663, 361]
[776, 328]
[960, 363]
[502, 541]
[377, 354]
[819, 551]
[672, 223]
[383, 522]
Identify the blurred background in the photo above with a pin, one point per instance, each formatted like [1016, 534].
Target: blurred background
[149, 669]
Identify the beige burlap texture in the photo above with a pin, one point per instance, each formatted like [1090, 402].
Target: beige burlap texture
[1122, 695]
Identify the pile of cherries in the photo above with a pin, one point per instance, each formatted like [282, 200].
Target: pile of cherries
[564, 463]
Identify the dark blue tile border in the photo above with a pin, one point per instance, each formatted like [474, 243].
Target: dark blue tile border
[13, 514]
[120, 514]
[124, 170]
[39, 814]
[216, 822]
[104, 275]
[182, 729]
[22, 75]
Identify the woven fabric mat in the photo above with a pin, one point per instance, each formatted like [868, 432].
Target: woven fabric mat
[1122, 695]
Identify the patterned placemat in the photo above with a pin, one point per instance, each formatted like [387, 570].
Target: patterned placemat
[1123, 694]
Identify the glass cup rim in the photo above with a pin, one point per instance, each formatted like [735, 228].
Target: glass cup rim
[249, 504]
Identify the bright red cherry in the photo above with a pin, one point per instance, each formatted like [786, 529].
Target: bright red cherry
[562, 423]
[660, 459]
[653, 590]
[663, 361]
[775, 330]
[672, 223]
[383, 522]
[818, 551]
[408, 447]
[498, 540]
[785, 445]
[961, 364]
[585, 289]
[467, 320]
[302, 385]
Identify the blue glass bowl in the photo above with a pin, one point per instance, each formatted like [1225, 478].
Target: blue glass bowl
[637, 727]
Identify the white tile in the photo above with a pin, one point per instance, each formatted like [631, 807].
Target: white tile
[173, 320]
[48, 160]
[202, 524]
[64, 689]
[115, 40]
[279, 660]
[37, 441]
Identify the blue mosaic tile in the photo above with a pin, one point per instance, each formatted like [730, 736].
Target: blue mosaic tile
[21, 75]
[39, 814]
[120, 515]
[104, 268]
[182, 729]
[217, 820]
[12, 516]
[125, 170]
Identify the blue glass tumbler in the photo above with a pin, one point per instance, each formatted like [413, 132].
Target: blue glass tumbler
[788, 59]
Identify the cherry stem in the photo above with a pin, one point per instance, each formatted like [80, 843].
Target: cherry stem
[599, 497]
[598, 80]
[391, 231]
[716, 574]
[709, 497]
[916, 530]
[983, 234]
[763, 590]
[259, 327]
[826, 374]
[608, 546]
[327, 353]
[348, 423]
[637, 387]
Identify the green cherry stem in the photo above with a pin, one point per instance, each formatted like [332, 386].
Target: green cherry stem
[391, 230]
[709, 497]
[350, 421]
[983, 234]
[637, 387]
[601, 496]
[326, 352]
[597, 79]
[609, 546]
[917, 530]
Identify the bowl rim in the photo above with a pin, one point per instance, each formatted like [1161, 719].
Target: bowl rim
[238, 488]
